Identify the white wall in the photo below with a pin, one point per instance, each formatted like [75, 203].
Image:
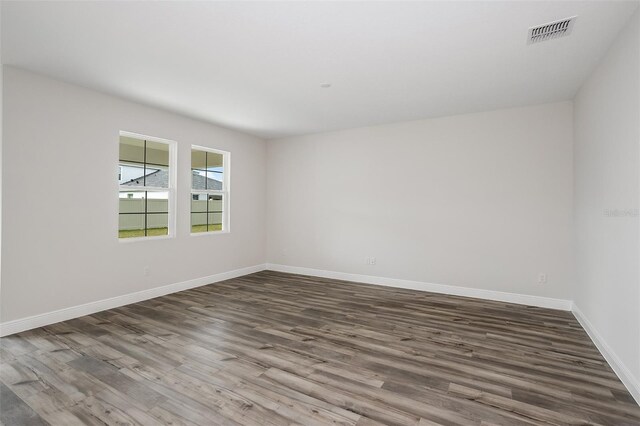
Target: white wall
[606, 155]
[1, 135]
[481, 200]
[61, 151]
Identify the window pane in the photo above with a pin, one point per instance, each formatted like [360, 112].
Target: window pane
[215, 221]
[157, 154]
[132, 201]
[215, 206]
[198, 180]
[215, 203]
[157, 177]
[130, 225]
[157, 224]
[198, 222]
[207, 170]
[198, 159]
[214, 181]
[131, 150]
[131, 174]
[215, 167]
[157, 202]
[198, 203]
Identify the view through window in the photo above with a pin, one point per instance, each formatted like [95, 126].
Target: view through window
[145, 187]
[209, 190]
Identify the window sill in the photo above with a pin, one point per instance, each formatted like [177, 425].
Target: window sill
[200, 234]
[138, 239]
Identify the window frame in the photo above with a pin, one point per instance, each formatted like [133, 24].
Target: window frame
[225, 192]
[171, 189]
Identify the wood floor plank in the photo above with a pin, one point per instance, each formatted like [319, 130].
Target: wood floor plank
[14, 411]
[280, 349]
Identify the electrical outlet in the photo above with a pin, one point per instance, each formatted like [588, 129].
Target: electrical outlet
[370, 261]
[542, 278]
[146, 271]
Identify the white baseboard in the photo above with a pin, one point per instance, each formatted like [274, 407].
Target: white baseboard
[521, 299]
[624, 374]
[23, 324]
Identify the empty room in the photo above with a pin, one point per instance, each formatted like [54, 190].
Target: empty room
[320, 212]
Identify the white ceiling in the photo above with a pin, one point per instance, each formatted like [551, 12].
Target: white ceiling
[257, 66]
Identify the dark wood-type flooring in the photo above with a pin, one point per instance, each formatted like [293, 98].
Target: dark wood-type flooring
[274, 348]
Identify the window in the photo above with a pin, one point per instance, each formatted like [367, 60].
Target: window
[209, 190]
[146, 180]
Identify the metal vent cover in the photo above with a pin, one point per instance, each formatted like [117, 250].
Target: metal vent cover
[550, 30]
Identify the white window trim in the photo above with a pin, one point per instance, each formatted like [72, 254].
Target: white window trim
[226, 199]
[171, 220]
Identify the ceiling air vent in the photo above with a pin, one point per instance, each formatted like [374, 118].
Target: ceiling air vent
[551, 30]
